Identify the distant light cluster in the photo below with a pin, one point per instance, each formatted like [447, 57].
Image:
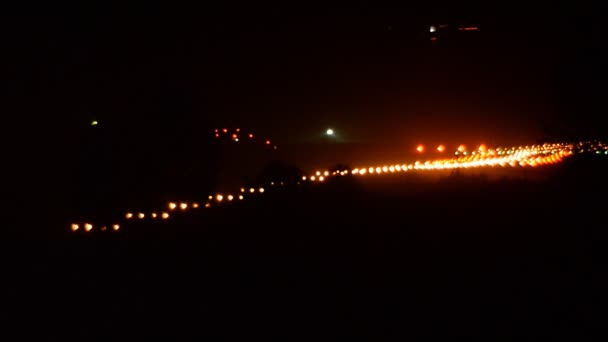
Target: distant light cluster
[237, 135]
[522, 156]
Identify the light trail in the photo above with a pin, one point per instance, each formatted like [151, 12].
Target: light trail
[513, 157]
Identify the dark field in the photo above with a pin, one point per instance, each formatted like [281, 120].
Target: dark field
[498, 259]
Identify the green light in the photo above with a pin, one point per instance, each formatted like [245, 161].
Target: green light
[94, 123]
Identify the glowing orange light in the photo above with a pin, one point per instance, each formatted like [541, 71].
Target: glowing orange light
[195, 205]
[129, 215]
[250, 135]
[165, 216]
[172, 205]
[230, 197]
[261, 190]
[267, 142]
[74, 227]
[154, 215]
[462, 148]
[234, 136]
[240, 197]
[88, 227]
[207, 205]
[219, 198]
[482, 148]
[440, 148]
[115, 227]
[183, 206]
[420, 148]
[216, 130]
[252, 190]
[141, 215]
[238, 129]
[225, 130]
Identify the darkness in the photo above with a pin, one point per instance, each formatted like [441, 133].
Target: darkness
[159, 79]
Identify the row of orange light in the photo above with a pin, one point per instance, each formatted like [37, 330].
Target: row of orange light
[87, 227]
[522, 156]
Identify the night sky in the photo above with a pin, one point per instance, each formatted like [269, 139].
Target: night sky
[158, 78]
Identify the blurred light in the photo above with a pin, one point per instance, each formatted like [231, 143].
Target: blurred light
[172, 205]
[74, 227]
[250, 135]
[230, 197]
[321, 178]
[165, 216]
[326, 173]
[378, 169]
[104, 228]
[240, 197]
[329, 131]
[304, 178]
[154, 215]
[392, 168]
[141, 215]
[482, 148]
[238, 129]
[420, 148]
[115, 227]
[183, 206]
[312, 178]
[318, 173]
[219, 198]
[129, 215]
[440, 148]
[207, 205]
[242, 190]
[261, 190]
[432, 28]
[384, 169]
[225, 130]
[267, 142]
[234, 136]
[94, 123]
[251, 190]
[195, 205]
[88, 227]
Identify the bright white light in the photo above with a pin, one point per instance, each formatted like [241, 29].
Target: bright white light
[432, 28]
[329, 131]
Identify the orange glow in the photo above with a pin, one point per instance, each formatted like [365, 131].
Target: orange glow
[482, 148]
[216, 130]
[440, 148]
[129, 215]
[115, 227]
[267, 142]
[183, 206]
[165, 216]
[219, 198]
[88, 227]
[154, 215]
[321, 178]
[462, 148]
[74, 227]
[420, 148]
[250, 135]
[141, 215]
[172, 205]
[195, 205]
[261, 190]
[217, 135]
[240, 197]
[469, 28]
[252, 190]
[234, 136]
[225, 130]
[230, 197]
[207, 205]
[238, 129]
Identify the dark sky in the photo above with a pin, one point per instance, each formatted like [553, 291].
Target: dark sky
[367, 70]
[162, 76]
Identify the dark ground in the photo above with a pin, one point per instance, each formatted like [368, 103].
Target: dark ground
[503, 259]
